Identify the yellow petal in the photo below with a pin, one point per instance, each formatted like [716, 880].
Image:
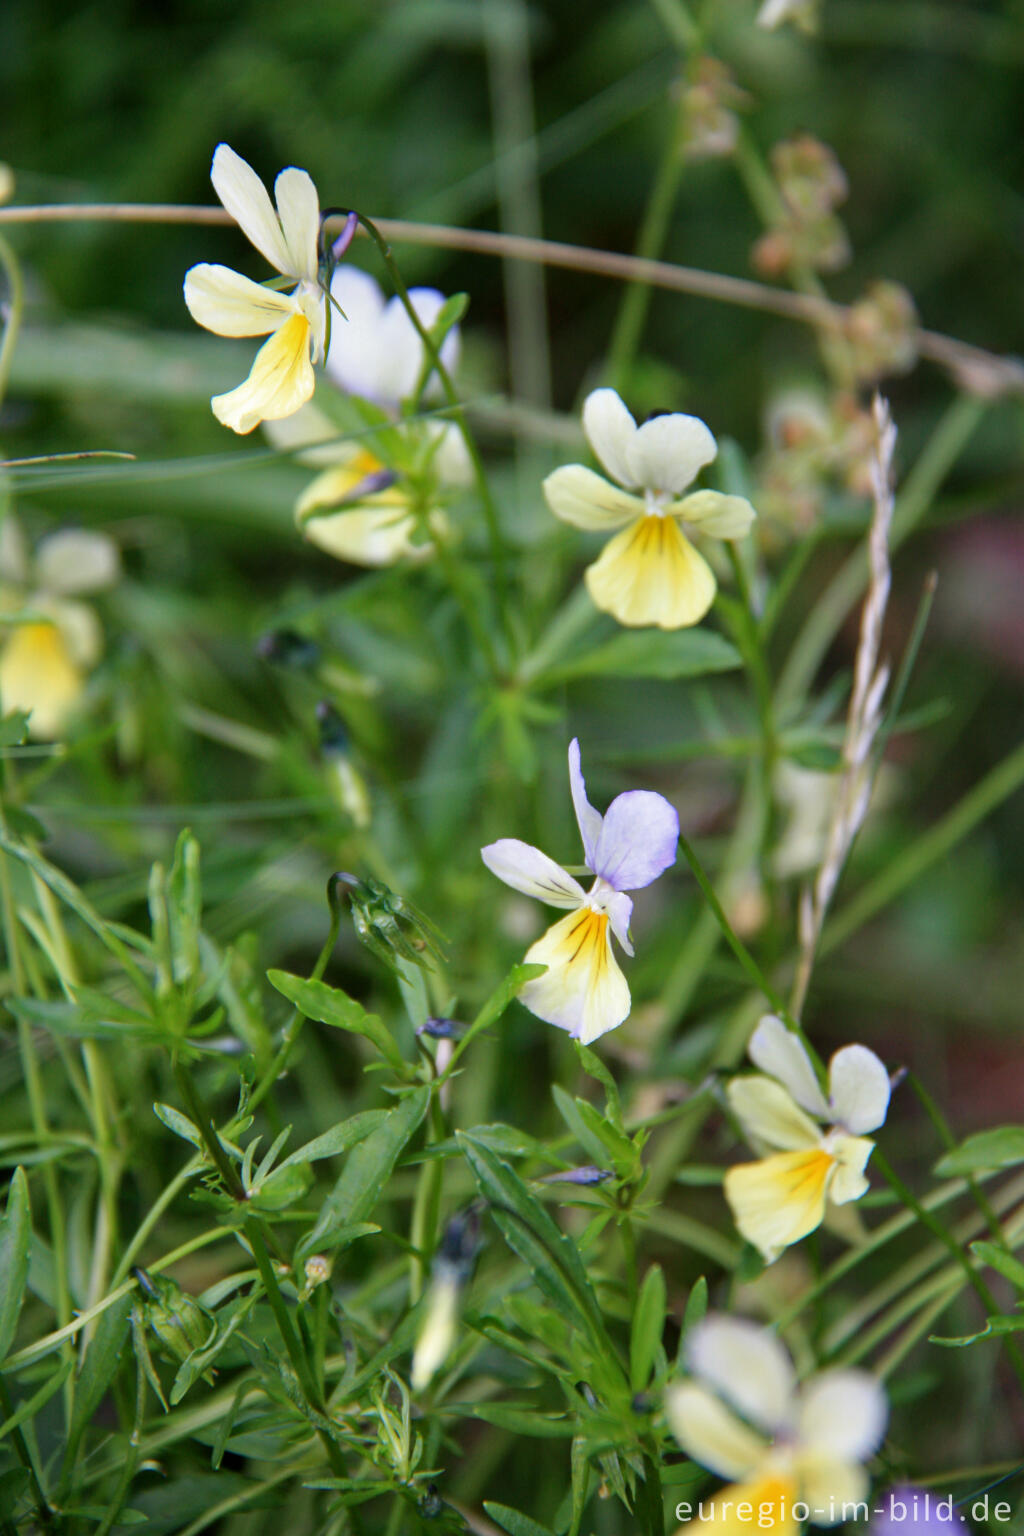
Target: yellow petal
[650, 574]
[37, 674]
[710, 1433]
[229, 304]
[368, 535]
[587, 500]
[778, 1200]
[834, 1489]
[280, 382]
[337, 484]
[583, 989]
[764, 1504]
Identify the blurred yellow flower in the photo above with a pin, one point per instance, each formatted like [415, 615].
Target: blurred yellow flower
[51, 642]
[781, 1197]
[232, 305]
[649, 573]
[793, 1453]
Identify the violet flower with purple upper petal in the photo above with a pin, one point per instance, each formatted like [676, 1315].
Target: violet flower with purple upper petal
[583, 990]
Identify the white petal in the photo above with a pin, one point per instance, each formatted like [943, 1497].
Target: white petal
[232, 305]
[843, 1414]
[353, 358]
[438, 1332]
[782, 1054]
[401, 349]
[721, 517]
[709, 1433]
[248, 202]
[583, 989]
[298, 208]
[610, 429]
[769, 1115]
[638, 842]
[849, 1181]
[452, 461]
[858, 1089]
[747, 1366]
[668, 451]
[587, 500]
[75, 560]
[587, 819]
[526, 869]
[619, 907]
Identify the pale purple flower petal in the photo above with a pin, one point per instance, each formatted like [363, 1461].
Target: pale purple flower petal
[587, 819]
[526, 869]
[620, 909]
[906, 1511]
[638, 840]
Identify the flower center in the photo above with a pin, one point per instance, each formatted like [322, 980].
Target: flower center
[600, 894]
[655, 502]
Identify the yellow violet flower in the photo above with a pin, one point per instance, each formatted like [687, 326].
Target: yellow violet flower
[46, 658]
[649, 573]
[780, 1198]
[232, 305]
[792, 1453]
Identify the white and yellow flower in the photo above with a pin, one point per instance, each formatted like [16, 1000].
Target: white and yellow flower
[46, 656]
[780, 1198]
[583, 990]
[791, 1452]
[649, 573]
[295, 318]
[357, 509]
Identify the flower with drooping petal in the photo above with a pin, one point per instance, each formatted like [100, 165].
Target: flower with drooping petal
[780, 1198]
[583, 990]
[649, 573]
[295, 318]
[781, 1445]
[359, 509]
[45, 658]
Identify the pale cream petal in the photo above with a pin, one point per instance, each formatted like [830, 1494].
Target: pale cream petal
[298, 208]
[76, 560]
[280, 382]
[770, 1116]
[858, 1089]
[721, 517]
[370, 536]
[851, 1154]
[763, 1504]
[527, 869]
[610, 429]
[748, 1366]
[710, 1433]
[833, 1490]
[452, 461]
[354, 359]
[782, 1054]
[400, 348]
[650, 574]
[438, 1332]
[343, 482]
[39, 675]
[843, 1415]
[248, 202]
[586, 499]
[232, 305]
[778, 1200]
[583, 989]
[668, 451]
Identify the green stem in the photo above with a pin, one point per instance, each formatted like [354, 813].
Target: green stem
[15, 310]
[25, 1457]
[295, 1023]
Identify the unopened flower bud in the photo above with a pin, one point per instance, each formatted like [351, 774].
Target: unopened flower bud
[317, 1270]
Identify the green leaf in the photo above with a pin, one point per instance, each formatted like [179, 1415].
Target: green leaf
[180, 1124]
[329, 1005]
[15, 1233]
[1000, 1148]
[512, 1521]
[649, 653]
[102, 1360]
[694, 1313]
[552, 1258]
[366, 1172]
[648, 1327]
[1002, 1262]
[340, 1138]
[526, 1420]
[14, 728]
[498, 1001]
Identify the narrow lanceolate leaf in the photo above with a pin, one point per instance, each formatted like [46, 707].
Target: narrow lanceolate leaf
[552, 1258]
[499, 1000]
[15, 1232]
[648, 1327]
[513, 1521]
[102, 1359]
[365, 1174]
[1001, 1148]
[648, 653]
[1002, 1262]
[340, 1138]
[331, 1006]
